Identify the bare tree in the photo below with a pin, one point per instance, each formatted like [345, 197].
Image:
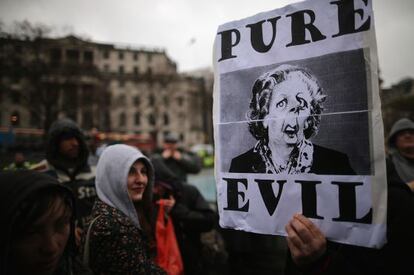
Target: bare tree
[46, 87]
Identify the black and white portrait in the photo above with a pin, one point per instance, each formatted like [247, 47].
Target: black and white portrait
[283, 121]
[298, 123]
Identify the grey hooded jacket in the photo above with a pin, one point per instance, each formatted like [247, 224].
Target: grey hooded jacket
[119, 242]
[403, 166]
[112, 174]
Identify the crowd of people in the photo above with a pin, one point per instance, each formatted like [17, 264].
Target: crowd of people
[64, 216]
[78, 218]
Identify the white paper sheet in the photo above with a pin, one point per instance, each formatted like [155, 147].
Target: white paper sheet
[297, 121]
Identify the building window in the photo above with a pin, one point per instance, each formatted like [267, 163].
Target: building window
[149, 58]
[181, 116]
[121, 69]
[166, 119]
[121, 83]
[55, 56]
[180, 101]
[121, 100]
[87, 120]
[34, 119]
[106, 68]
[151, 100]
[88, 57]
[70, 98]
[137, 100]
[72, 56]
[135, 56]
[121, 55]
[136, 71]
[166, 101]
[18, 49]
[122, 120]
[151, 120]
[137, 118]
[87, 95]
[106, 54]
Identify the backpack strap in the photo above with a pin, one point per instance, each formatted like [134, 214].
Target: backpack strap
[86, 248]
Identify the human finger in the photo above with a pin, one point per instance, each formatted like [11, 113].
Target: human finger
[302, 230]
[292, 235]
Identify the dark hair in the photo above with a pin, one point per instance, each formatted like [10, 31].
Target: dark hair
[145, 211]
[36, 205]
[262, 94]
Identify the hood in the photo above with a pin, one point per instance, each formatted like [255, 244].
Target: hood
[15, 188]
[60, 128]
[164, 175]
[402, 124]
[112, 175]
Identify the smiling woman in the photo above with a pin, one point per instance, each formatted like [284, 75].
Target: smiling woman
[285, 113]
[137, 181]
[121, 232]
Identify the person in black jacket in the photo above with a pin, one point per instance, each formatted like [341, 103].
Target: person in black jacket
[285, 113]
[37, 231]
[311, 253]
[67, 161]
[190, 212]
[180, 161]
[401, 150]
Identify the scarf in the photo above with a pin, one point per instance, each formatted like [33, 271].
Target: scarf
[299, 161]
[404, 167]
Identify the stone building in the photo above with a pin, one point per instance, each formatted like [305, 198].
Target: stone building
[113, 89]
[397, 102]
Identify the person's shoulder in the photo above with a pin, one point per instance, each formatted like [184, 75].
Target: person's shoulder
[41, 166]
[332, 155]
[245, 162]
[88, 173]
[109, 219]
[324, 151]
[189, 189]
[330, 162]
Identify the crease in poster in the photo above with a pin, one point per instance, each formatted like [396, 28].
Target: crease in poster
[297, 122]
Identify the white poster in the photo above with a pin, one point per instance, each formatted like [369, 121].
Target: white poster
[297, 121]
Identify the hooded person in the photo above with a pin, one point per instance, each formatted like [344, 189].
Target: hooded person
[37, 232]
[177, 159]
[317, 255]
[66, 152]
[401, 151]
[121, 234]
[67, 161]
[191, 215]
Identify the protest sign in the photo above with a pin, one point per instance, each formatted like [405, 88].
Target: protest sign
[297, 121]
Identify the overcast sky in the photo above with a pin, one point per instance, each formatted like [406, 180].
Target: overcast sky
[186, 28]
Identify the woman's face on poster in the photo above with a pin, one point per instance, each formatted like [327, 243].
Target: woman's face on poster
[289, 110]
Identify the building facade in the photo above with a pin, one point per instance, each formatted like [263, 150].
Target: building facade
[102, 87]
[397, 102]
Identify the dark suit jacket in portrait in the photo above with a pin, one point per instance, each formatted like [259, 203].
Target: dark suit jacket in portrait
[325, 162]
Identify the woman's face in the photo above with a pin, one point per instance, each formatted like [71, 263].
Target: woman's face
[39, 249]
[289, 110]
[137, 181]
[405, 143]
